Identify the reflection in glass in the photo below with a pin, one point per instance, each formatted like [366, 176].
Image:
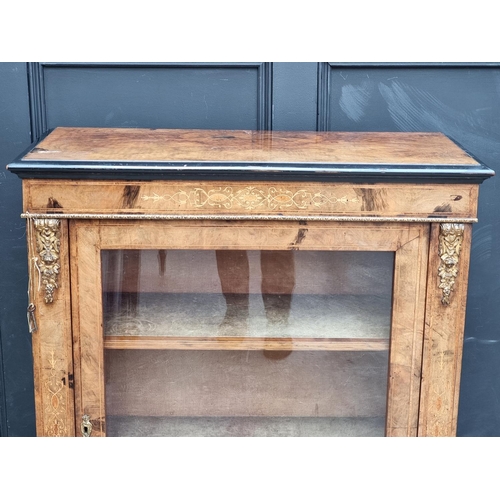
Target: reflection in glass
[247, 293]
[182, 331]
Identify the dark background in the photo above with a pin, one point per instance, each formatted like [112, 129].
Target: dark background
[460, 100]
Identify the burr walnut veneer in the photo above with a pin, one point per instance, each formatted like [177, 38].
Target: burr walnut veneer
[232, 282]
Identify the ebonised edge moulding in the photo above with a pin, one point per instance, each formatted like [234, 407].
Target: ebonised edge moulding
[273, 283]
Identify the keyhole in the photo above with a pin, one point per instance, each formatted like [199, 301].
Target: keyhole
[86, 426]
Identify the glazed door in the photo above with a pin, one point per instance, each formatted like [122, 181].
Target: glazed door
[247, 328]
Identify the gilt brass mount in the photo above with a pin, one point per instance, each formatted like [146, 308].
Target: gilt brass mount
[450, 243]
[48, 240]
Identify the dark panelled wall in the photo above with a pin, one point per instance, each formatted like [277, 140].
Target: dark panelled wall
[463, 101]
[16, 375]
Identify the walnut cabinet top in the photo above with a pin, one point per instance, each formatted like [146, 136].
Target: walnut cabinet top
[153, 154]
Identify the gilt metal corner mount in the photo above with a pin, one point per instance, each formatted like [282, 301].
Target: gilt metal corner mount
[450, 243]
[48, 241]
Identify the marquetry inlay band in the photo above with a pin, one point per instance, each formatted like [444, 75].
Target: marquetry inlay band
[55, 404]
[251, 198]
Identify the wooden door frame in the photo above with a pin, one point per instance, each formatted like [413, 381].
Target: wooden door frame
[409, 241]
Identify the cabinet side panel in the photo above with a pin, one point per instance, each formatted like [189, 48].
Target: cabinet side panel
[407, 333]
[443, 337]
[52, 339]
[87, 325]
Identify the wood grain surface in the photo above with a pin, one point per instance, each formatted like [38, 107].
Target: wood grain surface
[52, 347]
[178, 145]
[244, 198]
[443, 345]
[244, 344]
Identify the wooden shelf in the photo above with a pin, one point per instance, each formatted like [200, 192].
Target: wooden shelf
[134, 426]
[245, 343]
[201, 320]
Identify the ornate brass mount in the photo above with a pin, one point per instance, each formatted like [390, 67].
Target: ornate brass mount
[450, 244]
[86, 426]
[48, 239]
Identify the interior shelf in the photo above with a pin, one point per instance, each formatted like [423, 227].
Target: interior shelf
[245, 343]
[205, 321]
[244, 426]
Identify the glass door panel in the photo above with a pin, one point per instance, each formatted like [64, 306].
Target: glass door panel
[201, 293]
[248, 343]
